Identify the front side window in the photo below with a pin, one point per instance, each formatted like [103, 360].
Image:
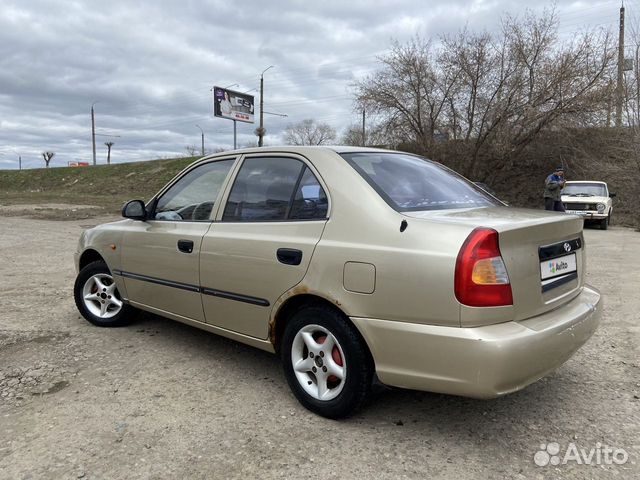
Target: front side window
[193, 197]
[410, 183]
[275, 189]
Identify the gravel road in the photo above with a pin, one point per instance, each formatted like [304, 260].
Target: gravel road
[163, 400]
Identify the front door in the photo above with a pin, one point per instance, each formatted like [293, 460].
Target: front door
[160, 257]
[262, 243]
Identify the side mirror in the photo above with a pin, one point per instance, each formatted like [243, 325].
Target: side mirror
[611, 195]
[135, 210]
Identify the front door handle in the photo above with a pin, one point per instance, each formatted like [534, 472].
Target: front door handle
[185, 246]
[289, 256]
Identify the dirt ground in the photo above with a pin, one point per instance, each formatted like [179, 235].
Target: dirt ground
[163, 400]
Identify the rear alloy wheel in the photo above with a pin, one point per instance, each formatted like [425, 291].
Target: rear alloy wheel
[97, 297]
[326, 363]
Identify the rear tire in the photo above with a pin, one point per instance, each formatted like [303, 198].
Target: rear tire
[326, 363]
[98, 299]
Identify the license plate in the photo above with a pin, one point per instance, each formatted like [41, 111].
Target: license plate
[557, 267]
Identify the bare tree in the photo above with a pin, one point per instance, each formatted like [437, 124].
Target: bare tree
[47, 156]
[374, 136]
[406, 92]
[109, 144]
[209, 151]
[495, 93]
[192, 150]
[309, 132]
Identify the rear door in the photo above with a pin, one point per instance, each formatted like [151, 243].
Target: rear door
[263, 241]
[160, 256]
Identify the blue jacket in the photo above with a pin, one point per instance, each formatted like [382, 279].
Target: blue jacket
[552, 187]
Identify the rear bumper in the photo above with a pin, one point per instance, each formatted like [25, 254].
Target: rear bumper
[480, 362]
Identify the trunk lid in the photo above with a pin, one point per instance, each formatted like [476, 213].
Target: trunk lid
[539, 248]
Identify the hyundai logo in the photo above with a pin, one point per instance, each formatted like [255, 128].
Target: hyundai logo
[567, 247]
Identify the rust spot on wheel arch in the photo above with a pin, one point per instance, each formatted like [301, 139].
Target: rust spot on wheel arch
[298, 290]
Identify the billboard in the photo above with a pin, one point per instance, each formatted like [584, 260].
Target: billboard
[232, 105]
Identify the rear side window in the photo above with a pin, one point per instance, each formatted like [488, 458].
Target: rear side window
[310, 201]
[275, 189]
[410, 183]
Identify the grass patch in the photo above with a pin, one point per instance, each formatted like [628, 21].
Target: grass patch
[105, 186]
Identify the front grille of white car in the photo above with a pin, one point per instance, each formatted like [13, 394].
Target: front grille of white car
[580, 206]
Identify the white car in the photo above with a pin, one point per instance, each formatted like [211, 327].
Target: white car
[591, 199]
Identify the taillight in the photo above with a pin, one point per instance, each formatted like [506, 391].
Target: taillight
[481, 278]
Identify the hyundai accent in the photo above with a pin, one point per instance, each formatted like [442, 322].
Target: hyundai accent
[351, 264]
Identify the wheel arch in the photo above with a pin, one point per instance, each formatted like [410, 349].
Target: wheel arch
[88, 256]
[293, 304]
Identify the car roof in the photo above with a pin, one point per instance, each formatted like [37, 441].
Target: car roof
[306, 148]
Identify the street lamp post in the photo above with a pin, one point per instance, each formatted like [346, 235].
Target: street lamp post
[202, 138]
[19, 158]
[261, 130]
[93, 133]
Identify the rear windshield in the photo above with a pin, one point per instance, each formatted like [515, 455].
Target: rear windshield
[409, 183]
[584, 190]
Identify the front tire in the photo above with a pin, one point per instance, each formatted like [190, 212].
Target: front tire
[604, 223]
[98, 299]
[326, 362]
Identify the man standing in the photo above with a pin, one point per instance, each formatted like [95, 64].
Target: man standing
[553, 186]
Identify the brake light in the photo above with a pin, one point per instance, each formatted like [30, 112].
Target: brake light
[481, 278]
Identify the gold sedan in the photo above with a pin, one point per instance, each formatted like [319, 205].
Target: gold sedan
[349, 263]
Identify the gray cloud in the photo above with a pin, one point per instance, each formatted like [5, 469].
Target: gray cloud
[150, 66]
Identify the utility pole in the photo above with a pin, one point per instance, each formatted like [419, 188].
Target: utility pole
[609, 102]
[261, 130]
[93, 133]
[637, 75]
[364, 134]
[19, 158]
[202, 137]
[619, 86]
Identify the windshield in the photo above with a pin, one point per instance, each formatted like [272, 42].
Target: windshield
[408, 182]
[584, 190]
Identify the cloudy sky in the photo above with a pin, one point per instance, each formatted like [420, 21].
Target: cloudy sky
[149, 66]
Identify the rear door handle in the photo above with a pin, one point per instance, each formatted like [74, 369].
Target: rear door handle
[185, 246]
[289, 256]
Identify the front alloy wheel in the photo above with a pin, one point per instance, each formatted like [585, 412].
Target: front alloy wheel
[97, 297]
[100, 296]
